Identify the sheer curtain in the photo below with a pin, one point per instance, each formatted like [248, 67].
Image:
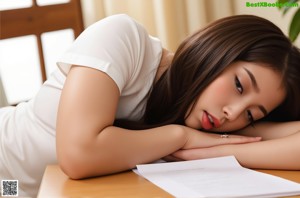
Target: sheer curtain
[173, 20]
[170, 20]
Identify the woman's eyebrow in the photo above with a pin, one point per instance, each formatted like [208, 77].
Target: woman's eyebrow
[253, 80]
[256, 88]
[263, 110]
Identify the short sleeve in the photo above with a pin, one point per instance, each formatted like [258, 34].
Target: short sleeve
[113, 45]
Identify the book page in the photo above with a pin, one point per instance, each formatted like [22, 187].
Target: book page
[215, 177]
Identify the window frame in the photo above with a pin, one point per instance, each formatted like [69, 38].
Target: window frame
[36, 20]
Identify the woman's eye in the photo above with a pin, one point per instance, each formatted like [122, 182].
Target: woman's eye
[238, 85]
[250, 117]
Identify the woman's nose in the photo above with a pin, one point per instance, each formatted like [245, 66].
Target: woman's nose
[232, 112]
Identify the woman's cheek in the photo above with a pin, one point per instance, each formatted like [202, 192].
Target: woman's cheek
[222, 88]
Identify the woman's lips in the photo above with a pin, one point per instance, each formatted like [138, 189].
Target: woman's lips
[208, 121]
[206, 124]
[216, 121]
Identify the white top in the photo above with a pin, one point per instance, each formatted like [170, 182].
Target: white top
[116, 45]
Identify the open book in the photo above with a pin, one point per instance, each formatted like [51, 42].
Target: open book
[215, 177]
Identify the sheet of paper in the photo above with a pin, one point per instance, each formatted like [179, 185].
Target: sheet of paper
[215, 177]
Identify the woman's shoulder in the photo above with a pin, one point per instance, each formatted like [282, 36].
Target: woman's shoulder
[121, 18]
[119, 23]
[115, 29]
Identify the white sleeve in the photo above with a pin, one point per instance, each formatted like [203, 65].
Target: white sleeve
[114, 45]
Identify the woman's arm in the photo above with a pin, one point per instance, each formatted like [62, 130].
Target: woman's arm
[282, 153]
[271, 130]
[89, 145]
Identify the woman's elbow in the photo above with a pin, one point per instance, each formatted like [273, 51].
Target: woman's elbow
[79, 163]
[72, 163]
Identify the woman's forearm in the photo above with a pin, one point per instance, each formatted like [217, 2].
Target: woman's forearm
[116, 149]
[282, 153]
[271, 130]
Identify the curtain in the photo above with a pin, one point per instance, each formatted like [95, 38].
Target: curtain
[173, 20]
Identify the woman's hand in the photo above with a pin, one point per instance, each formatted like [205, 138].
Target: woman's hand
[201, 144]
[280, 153]
[198, 139]
[198, 153]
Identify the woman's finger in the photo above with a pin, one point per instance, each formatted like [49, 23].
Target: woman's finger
[236, 139]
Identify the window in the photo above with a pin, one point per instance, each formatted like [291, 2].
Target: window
[54, 44]
[33, 34]
[20, 68]
[14, 4]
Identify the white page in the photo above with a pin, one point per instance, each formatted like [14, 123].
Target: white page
[215, 177]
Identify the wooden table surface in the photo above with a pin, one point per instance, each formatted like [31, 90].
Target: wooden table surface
[127, 184]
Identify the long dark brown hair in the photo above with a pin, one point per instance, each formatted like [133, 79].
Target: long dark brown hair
[205, 54]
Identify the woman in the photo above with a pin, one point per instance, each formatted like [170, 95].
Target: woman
[120, 99]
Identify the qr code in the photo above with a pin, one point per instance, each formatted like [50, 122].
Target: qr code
[9, 188]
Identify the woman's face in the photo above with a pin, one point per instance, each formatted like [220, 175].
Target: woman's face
[243, 93]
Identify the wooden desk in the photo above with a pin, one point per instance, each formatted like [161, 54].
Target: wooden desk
[56, 184]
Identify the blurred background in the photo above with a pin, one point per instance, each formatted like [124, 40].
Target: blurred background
[34, 33]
